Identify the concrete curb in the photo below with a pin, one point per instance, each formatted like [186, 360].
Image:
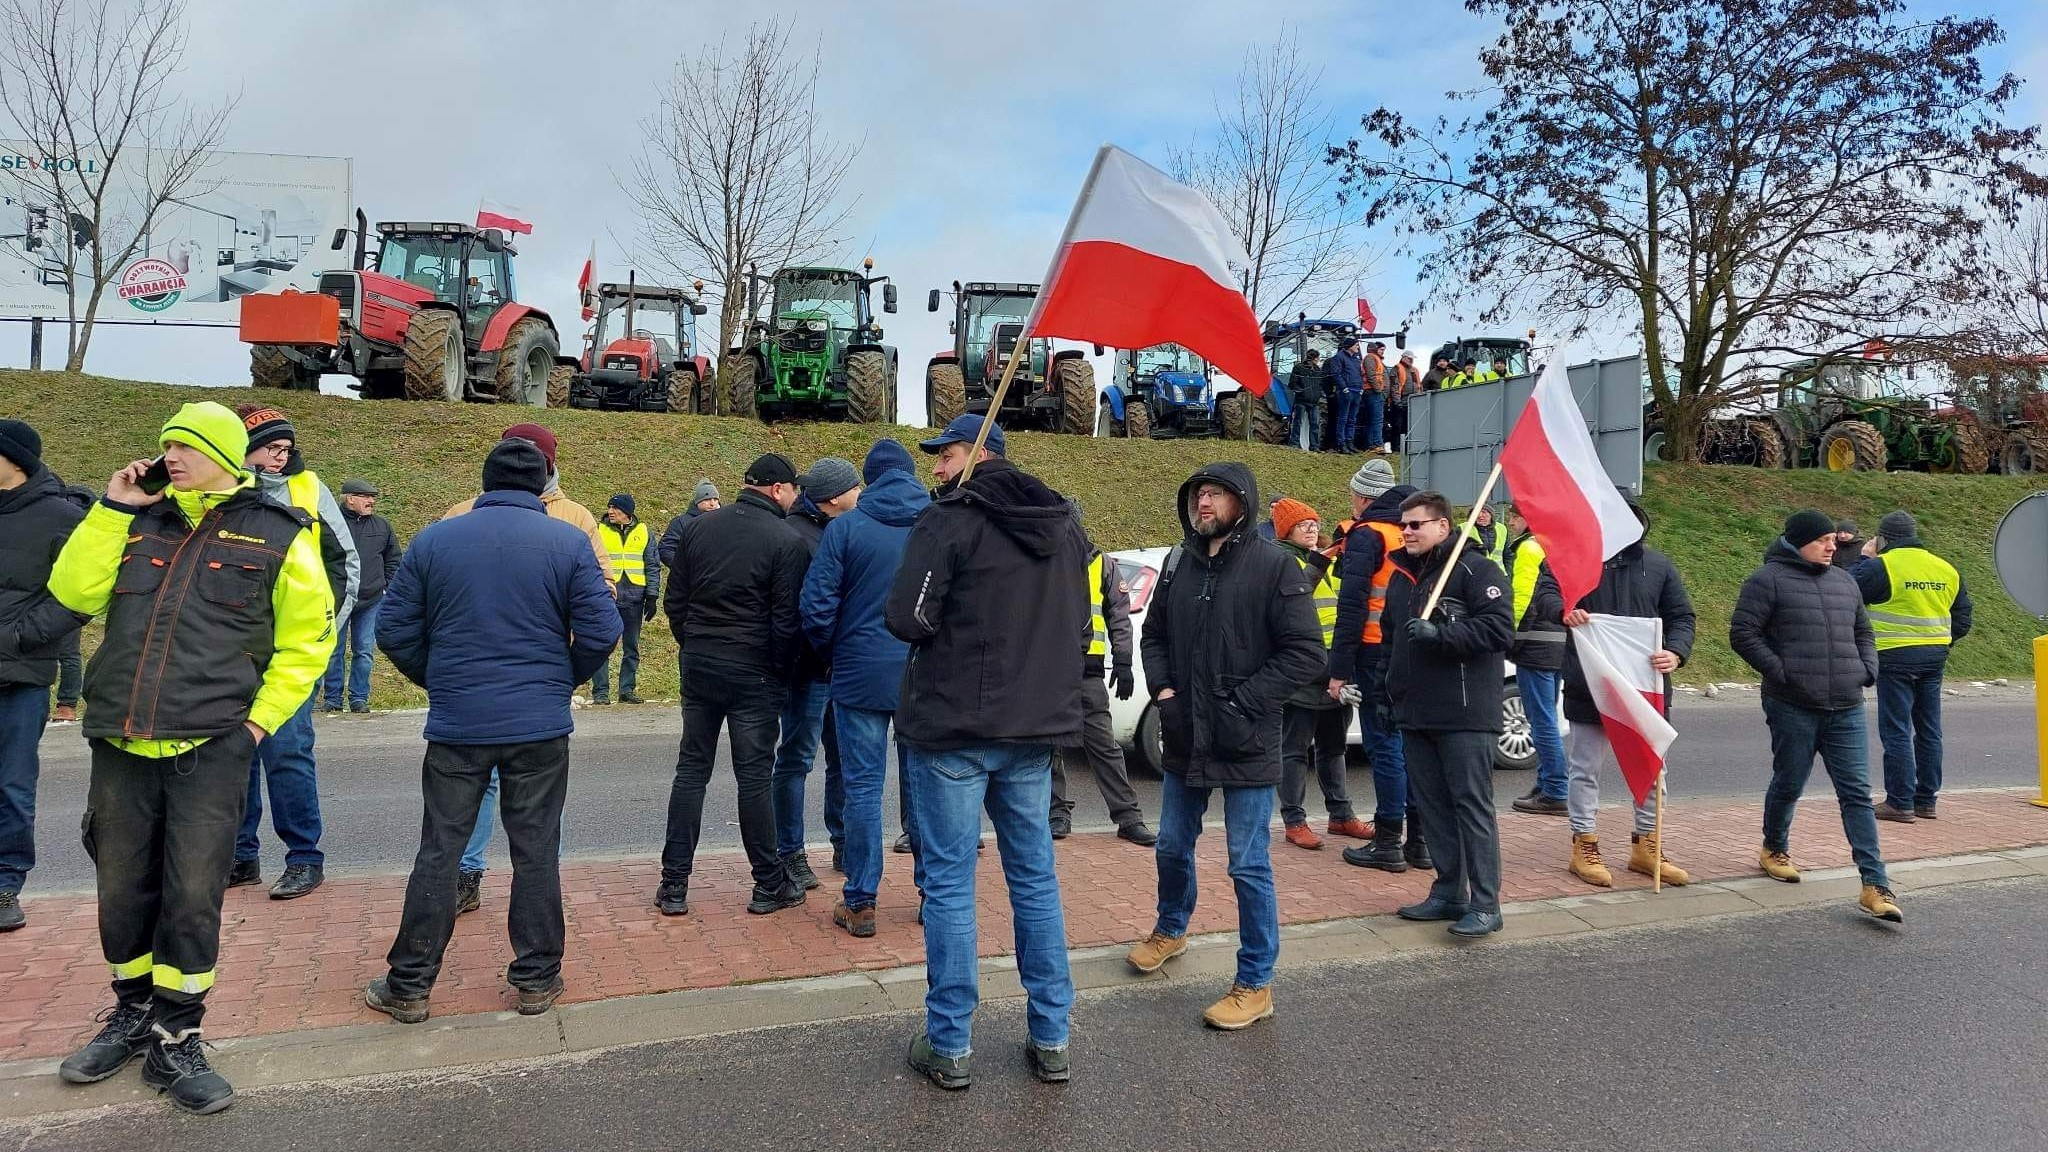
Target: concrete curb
[30, 1088]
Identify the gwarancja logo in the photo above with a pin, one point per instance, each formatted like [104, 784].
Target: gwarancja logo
[150, 284]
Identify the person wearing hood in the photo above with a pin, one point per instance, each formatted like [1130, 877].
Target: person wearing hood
[638, 567]
[377, 548]
[1848, 545]
[1230, 634]
[1800, 622]
[220, 620]
[284, 759]
[703, 499]
[1314, 723]
[992, 599]
[1918, 606]
[37, 515]
[1636, 581]
[844, 594]
[1107, 642]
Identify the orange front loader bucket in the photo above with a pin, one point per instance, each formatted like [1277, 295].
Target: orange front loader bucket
[291, 318]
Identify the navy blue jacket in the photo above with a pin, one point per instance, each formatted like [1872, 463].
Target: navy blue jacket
[498, 613]
[1347, 372]
[847, 588]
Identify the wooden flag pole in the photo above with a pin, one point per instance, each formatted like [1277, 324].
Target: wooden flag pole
[995, 404]
[1471, 518]
[1657, 865]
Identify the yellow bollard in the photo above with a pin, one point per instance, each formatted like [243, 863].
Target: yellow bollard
[2041, 716]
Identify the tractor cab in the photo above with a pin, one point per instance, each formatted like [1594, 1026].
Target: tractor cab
[1487, 349]
[1288, 344]
[1161, 392]
[454, 264]
[1054, 391]
[640, 353]
[818, 352]
[988, 320]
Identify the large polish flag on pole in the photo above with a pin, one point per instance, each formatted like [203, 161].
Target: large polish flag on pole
[1614, 652]
[1559, 487]
[1147, 261]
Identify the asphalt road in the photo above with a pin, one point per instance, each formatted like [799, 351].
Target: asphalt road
[1799, 1031]
[623, 758]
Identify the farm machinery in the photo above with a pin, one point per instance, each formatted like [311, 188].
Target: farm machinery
[1052, 390]
[819, 350]
[1162, 392]
[639, 355]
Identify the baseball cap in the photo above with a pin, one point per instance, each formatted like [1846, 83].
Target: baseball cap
[963, 430]
[770, 468]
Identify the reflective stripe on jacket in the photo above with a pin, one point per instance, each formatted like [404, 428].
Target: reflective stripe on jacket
[1376, 594]
[1924, 588]
[1098, 627]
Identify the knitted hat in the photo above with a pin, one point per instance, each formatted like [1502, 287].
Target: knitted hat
[770, 468]
[1848, 526]
[265, 425]
[888, 455]
[1373, 478]
[21, 445]
[706, 490]
[516, 465]
[212, 429]
[828, 479]
[1807, 525]
[1288, 513]
[541, 438]
[623, 502]
[1898, 525]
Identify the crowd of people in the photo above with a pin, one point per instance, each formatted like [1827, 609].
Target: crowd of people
[1355, 401]
[828, 606]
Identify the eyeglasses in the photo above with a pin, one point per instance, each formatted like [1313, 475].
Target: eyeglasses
[1418, 525]
[276, 448]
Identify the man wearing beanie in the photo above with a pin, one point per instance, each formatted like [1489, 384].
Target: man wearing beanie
[1848, 545]
[732, 606]
[1918, 607]
[498, 614]
[37, 514]
[1799, 621]
[704, 499]
[219, 622]
[285, 757]
[636, 561]
[1314, 725]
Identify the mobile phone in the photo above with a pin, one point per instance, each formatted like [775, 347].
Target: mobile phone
[156, 478]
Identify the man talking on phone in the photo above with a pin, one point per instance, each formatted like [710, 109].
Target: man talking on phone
[219, 620]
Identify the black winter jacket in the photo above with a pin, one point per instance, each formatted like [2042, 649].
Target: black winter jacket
[377, 548]
[1234, 635]
[35, 520]
[1364, 552]
[1455, 684]
[1802, 626]
[809, 525]
[732, 592]
[1636, 581]
[992, 598]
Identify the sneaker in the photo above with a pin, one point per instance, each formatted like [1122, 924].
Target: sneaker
[1476, 923]
[1137, 832]
[1586, 863]
[377, 995]
[1886, 810]
[126, 1034]
[298, 879]
[948, 1072]
[672, 899]
[534, 1001]
[798, 867]
[1241, 1007]
[1352, 827]
[1778, 866]
[1540, 805]
[1303, 836]
[11, 915]
[1924, 811]
[600, 701]
[859, 922]
[178, 1067]
[1062, 827]
[245, 872]
[1050, 1065]
[469, 892]
[64, 714]
[1152, 953]
[630, 698]
[329, 709]
[1647, 858]
[1879, 902]
[902, 845]
[767, 900]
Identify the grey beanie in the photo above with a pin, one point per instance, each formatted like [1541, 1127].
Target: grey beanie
[1898, 525]
[706, 490]
[1373, 478]
[828, 479]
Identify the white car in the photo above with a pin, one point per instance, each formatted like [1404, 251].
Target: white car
[1136, 721]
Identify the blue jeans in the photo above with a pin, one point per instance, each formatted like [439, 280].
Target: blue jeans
[1308, 420]
[1909, 727]
[285, 758]
[480, 836]
[360, 636]
[632, 613]
[1382, 742]
[1246, 813]
[1836, 735]
[1014, 783]
[1538, 687]
[24, 710]
[1372, 420]
[1347, 417]
[803, 717]
[864, 767]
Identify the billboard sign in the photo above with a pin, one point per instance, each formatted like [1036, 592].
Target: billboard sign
[1455, 437]
[249, 222]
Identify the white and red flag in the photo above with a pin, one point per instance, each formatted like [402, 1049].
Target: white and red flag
[586, 284]
[1366, 319]
[492, 214]
[1614, 652]
[1560, 488]
[1147, 261]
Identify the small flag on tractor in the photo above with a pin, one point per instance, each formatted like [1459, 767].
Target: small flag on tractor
[1366, 319]
[491, 214]
[586, 286]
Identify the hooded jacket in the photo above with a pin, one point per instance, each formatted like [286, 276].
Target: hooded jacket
[1364, 552]
[846, 591]
[1455, 684]
[36, 519]
[1233, 635]
[732, 592]
[1802, 626]
[992, 598]
[1636, 581]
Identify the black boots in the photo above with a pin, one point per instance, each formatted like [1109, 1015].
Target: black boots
[179, 1068]
[1417, 852]
[1384, 853]
[469, 892]
[298, 879]
[126, 1035]
[798, 868]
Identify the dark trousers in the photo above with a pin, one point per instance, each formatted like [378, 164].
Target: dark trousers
[1909, 727]
[749, 706]
[24, 711]
[1451, 776]
[70, 671]
[1397, 422]
[533, 781]
[1314, 734]
[161, 835]
[632, 614]
[1104, 755]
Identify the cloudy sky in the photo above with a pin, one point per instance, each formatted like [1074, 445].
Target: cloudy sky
[976, 120]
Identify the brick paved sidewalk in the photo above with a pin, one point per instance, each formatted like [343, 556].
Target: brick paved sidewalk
[289, 965]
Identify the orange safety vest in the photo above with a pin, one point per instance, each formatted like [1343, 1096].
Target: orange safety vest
[1405, 380]
[1376, 592]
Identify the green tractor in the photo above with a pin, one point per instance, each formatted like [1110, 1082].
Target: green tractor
[1850, 417]
[1052, 390]
[819, 352]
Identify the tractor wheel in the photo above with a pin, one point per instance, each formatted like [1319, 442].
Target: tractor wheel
[740, 385]
[1268, 425]
[525, 361]
[1076, 379]
[945, 394]
[433, 357]
[1137, 419]
[1770, 444]
[558, 385]
[1852, 446]
[682, 392]
[867, 387]
[2026, 451]
[1232, 413]
[1969, 455]
[269, 367]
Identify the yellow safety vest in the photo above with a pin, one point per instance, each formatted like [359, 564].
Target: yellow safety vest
[1528, 563]
[1326, 602]
[1098, 625]
[1924, 589]
[629, 555]
[304, 491]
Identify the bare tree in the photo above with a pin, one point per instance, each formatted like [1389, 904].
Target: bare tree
[736, 170]
[1264, 168]
[88, 88]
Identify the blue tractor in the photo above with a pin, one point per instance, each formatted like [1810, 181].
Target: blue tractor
[1162, 392]
[1286, 345]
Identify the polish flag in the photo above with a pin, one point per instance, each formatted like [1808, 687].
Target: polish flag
[1614, 652]
[1147, 261]
[586, 286]
[491, 214]
[1557, 482]
[1366, 319]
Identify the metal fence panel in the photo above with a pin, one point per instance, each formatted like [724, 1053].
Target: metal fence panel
[1454, 438]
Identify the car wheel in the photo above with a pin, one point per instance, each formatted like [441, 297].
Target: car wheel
[1147, 743]
[1515, 751]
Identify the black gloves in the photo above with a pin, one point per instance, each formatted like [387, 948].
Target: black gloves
[653, 608]
[1123, 681]
[1423, 631]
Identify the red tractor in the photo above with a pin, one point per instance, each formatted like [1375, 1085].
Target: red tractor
[640, 354]
[434, 319]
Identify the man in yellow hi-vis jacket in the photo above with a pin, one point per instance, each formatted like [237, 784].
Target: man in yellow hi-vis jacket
[219, 621]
